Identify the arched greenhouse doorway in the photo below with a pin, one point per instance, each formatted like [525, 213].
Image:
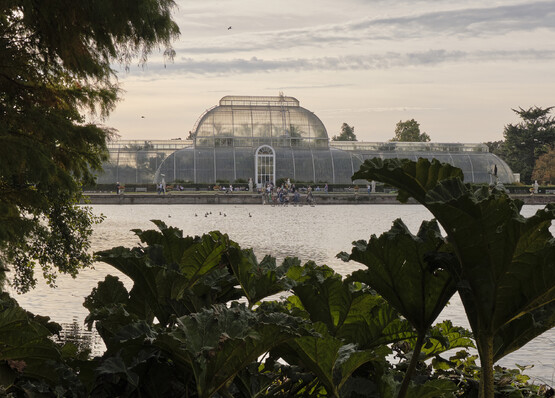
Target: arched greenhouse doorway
[265, 166]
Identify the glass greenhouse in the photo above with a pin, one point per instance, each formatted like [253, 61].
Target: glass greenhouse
[269, 138]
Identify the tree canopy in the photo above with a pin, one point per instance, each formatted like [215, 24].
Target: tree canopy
[526, 141]
[56, 65]
[544, 169]
[496, 147]
[409, 131]
[347, 133]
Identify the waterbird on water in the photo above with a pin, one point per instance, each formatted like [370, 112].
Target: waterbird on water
[229, 28]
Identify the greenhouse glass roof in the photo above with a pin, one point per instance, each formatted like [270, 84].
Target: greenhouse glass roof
[243, 121]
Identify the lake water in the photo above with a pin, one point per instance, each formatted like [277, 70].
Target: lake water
[310, 233]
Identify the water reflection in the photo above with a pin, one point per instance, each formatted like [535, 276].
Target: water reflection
[87, 342]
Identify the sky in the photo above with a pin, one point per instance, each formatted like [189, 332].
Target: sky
[458, 67]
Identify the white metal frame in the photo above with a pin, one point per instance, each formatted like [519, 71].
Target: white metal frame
[264, 165]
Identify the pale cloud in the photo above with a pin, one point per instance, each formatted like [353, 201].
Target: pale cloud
[384, 61]
[342, 111]
[309, 87]
[462, 22]
[468, 22]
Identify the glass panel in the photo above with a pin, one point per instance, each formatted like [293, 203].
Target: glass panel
[284, 163]
[225, 166]
[322, 166]
[205, 166]
[304, 169]
[206, 126]
[244, 161]
[185, 165]
[342, 166]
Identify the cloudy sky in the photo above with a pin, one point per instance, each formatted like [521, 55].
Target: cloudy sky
[458, 67]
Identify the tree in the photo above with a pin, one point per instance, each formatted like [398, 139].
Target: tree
[526, 141]
[347, 133]
[56, 65]
[496, 147]
[409, 131]
[544, 169]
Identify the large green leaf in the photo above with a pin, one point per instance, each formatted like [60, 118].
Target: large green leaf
[199, 259]
[218, 286]
[111, 291]
[25, 342]
[507, 263]
[170, 240]
[353, 314]
[116, 365]
[397, 270]
[506, 267]
[444, 336]
[353, 326]
[217, 343]
[523, 329]
[323, 294]
[328, 357]
[173, 275]
[506, 260]
[255, 379]
[436, 388]
[139, 369]
[106, 305]
[424, 175]
[372, 321]
[153, 285]
[108, 320]
[259, 280]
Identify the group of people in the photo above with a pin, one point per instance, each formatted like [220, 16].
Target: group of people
[285, 194]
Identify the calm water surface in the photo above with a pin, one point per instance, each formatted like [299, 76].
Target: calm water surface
[310, 233]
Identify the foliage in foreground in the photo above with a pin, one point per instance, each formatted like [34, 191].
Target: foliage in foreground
[193, 325]
[504, 268]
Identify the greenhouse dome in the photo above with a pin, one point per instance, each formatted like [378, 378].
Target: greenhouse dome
[272, 138]
[253, 121]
